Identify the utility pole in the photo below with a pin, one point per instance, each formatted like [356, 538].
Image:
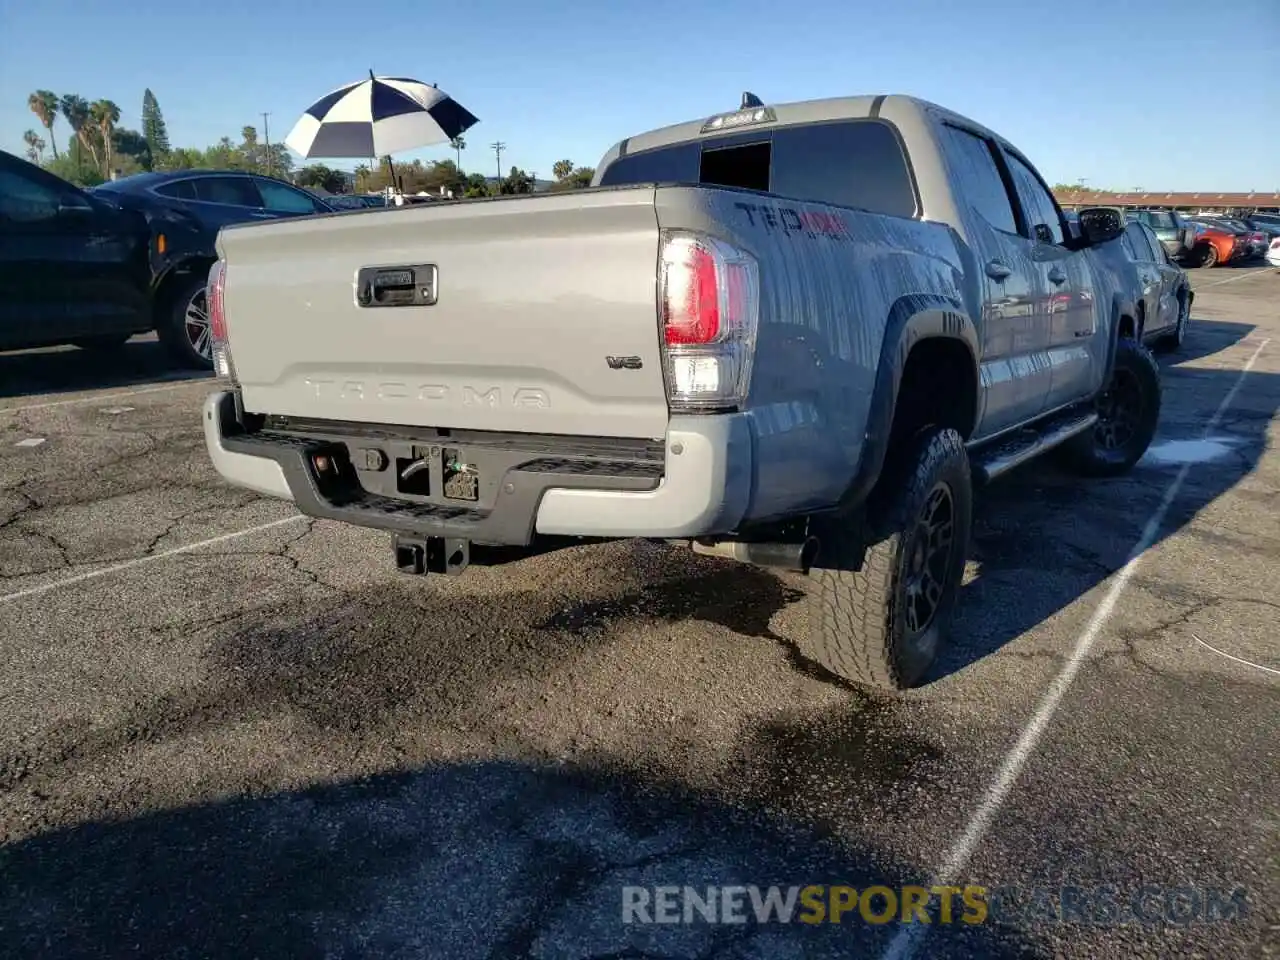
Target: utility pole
[497, 148]
[266, 136]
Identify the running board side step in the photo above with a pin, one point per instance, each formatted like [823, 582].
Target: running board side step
[1027, 444]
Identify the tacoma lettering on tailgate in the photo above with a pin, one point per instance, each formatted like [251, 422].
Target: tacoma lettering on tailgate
[465, 396]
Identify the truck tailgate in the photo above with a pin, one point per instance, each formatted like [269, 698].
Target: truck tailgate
[533, 296]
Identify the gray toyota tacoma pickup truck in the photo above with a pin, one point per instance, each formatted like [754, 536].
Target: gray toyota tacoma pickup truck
[796, 335]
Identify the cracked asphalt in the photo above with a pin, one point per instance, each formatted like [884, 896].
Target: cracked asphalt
[273, 745]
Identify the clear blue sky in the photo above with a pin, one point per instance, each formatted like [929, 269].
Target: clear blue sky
[1162, 94]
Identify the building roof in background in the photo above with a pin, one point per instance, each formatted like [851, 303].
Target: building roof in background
[1074, 198]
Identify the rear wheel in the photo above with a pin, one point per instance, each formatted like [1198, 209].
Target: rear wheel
[1209, 256]
[1178, 335]
[885, 611]
[184, 324]
[1128, 409]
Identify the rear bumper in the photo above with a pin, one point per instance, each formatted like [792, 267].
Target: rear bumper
[702, 486]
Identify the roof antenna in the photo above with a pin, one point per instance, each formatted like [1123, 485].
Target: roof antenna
[749, 99]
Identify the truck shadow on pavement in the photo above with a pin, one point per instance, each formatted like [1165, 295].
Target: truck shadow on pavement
[486, 859]
[50, 372]
[1043, 538]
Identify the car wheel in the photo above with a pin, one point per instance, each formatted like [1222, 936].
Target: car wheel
[1174, 340]
[184, 328]
[1209, 258]
[885, 611]
[1128, 409]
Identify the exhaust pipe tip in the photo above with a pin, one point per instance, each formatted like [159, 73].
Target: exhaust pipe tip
[796, 557]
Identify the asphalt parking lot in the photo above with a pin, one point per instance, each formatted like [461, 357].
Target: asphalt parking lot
[226, 729]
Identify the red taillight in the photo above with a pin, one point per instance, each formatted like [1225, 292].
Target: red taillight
[695, 316]
[215, 294]
[709, 310]
[216, 298]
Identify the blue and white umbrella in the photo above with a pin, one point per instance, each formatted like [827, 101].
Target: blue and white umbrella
[378, 117]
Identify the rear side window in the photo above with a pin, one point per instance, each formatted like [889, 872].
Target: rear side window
[233, 191]
[282, 199]
[977, 178]
[1159, 220]
[179, 190]
[855, 163]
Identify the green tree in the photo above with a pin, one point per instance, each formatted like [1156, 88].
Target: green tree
[184, 158]
[105, 116]
[517, 181]
[133, 149]
[459, 143]
[44, 104]
[153, 128]
[569, 177]
[35, 146]
[75, 110]
[476, 186]
[65, 167]
[318, 175]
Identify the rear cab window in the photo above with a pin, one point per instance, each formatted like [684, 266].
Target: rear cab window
[853, 163]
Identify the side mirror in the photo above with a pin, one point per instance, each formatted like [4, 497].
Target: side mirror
[1100, 225]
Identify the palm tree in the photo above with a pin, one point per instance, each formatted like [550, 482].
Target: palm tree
[44, 104]
[35, 146]
[76, 111]
[106, 115]
[459, 143]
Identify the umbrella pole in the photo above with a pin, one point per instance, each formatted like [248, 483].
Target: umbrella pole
[392, 170]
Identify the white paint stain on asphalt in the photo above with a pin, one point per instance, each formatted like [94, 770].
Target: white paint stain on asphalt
[30, 442]
[112, 411]
[1203, 450]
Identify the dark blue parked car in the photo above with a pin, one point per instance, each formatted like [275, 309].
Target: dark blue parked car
[203, 201]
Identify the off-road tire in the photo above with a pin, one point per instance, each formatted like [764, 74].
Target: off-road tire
[860, 628]
[1123, 433]
[171, 326]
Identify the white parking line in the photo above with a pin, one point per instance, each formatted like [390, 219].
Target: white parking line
[105, 396]
[140, 561]
[1242, 276]
[911, 937]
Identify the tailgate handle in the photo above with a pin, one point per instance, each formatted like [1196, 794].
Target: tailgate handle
[409, 285]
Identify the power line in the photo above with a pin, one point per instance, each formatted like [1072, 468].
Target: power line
[497, 148]
[266, 136]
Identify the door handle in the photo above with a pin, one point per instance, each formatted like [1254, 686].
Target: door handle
[997, 270]
[1057, 277]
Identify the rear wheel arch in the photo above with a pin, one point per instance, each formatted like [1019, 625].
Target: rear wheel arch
[174, 279]
[923, 333]
[183, 281]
